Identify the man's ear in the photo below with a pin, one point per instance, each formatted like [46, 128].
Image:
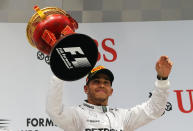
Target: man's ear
[86, 89]
[111, 91]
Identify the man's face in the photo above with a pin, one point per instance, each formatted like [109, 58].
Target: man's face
[99, 89]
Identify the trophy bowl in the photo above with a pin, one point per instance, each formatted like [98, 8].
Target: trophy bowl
[52, 19]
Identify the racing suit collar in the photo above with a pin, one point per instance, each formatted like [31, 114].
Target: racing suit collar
[92, 107]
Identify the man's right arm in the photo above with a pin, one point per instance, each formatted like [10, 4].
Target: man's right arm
[64, 117]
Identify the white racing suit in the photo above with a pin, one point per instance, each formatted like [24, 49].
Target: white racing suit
[88, 117]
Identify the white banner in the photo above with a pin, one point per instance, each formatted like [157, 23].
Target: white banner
[129, 49]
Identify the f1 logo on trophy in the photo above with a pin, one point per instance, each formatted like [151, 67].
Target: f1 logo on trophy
[52, 31]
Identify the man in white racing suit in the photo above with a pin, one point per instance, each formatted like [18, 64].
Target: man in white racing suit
[95, 114]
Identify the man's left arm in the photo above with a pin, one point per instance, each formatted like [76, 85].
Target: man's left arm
[155, 106]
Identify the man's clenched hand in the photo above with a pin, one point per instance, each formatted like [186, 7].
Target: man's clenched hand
[164, 66]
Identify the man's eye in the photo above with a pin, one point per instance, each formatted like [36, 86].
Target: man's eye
[96, 81]
[107, 82]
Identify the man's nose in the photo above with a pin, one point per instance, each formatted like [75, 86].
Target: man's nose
[101, 84]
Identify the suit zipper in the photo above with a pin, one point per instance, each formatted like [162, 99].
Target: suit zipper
[109, 121]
